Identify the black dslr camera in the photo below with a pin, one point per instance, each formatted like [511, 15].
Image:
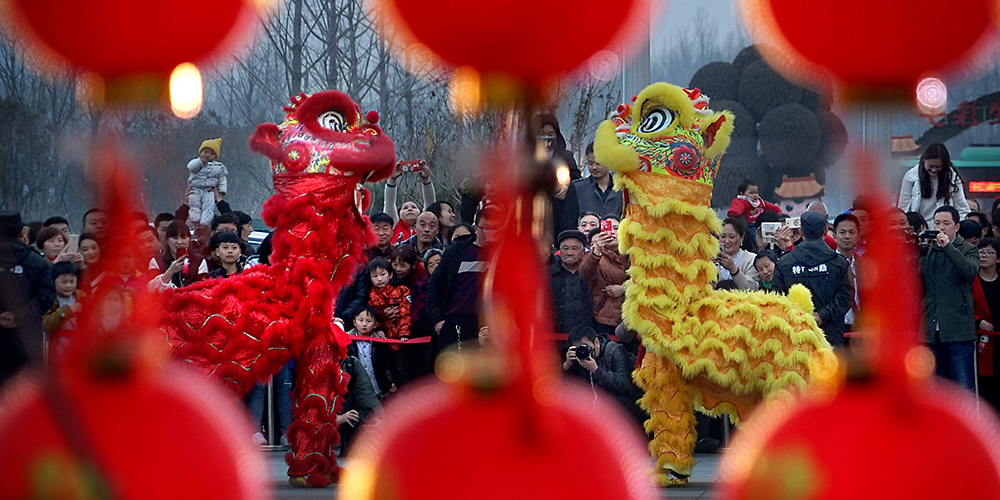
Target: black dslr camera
[584, 351]
[365, 415]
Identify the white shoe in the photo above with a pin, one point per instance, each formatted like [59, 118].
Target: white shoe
[259, 439]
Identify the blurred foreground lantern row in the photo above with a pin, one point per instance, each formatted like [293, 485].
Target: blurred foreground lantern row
[133, 48]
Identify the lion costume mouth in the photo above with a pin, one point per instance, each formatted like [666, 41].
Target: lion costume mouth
[325, 133]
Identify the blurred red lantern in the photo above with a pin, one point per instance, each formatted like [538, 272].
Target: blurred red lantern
[874, 48]
[866, 444]
[444, 442]
[523, 39]
[121, 38]
[164, 434]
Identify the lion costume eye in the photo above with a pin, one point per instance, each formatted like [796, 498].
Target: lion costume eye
[332, 120]
[657, 119]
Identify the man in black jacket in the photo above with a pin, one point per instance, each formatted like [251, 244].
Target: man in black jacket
[572, 303]
[26, 292]
[606, 364]
[824, 272]
[453, 291]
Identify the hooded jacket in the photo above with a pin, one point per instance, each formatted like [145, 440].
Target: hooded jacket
[564, 211]
[28, 291]
[826, 274]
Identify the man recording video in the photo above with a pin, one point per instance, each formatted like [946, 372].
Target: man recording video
[604, 363]
[948, 269]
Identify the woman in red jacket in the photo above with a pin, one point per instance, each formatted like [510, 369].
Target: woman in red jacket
[986, 305]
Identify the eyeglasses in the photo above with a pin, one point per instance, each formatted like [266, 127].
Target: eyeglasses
[987, 253]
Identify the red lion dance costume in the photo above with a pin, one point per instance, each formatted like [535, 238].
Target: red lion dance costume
[242, 329]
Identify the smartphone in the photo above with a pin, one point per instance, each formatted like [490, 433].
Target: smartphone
[182, 252]
[607, 227]
[409, 166]
[767, 230]
[74, 243]
[794, 222]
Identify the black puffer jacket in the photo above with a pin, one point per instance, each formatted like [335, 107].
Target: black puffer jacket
[826, 274]
[27, 290]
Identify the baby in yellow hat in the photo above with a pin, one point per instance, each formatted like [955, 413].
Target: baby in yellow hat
[206, 174]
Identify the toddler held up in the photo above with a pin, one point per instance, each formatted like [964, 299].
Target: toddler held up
[205, 175]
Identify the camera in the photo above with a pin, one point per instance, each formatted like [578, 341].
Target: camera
[584, 352]
[409, 166]
[365, 415]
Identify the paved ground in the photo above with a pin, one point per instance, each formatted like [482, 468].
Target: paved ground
[704, 476]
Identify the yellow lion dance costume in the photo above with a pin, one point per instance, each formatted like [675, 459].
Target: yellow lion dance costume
[712, 350]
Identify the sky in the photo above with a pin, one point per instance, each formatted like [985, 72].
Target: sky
[676, 13]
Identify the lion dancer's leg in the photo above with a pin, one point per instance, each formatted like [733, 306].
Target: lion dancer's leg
[669, 400]
[318, 397]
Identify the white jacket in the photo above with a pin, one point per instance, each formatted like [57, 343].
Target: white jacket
[910, 200]
[208, 176]
[746, 278]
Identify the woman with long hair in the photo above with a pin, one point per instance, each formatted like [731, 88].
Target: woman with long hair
[180, 265]
[933, 183]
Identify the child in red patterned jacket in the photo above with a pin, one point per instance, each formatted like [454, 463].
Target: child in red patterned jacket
[748, 203]
[391, 301]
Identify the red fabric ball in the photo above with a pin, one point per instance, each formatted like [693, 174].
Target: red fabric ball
[869, 442]
[168, 435]
[872, 46]
[122, 37]
[524, 39]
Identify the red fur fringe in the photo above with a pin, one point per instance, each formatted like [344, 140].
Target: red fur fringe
[242, 329]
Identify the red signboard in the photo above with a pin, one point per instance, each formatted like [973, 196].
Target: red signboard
[984, 186]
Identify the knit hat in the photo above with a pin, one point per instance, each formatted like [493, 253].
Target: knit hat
[10, 224]
[813, 225]
[214, 144]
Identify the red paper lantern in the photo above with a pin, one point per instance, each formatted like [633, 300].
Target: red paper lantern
[446, 443]
[118, 38]
[163, 434]
[873, 47]
[867, 444]
[523, 39]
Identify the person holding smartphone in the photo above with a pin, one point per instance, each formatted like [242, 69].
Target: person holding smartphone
[179, 266]
[736, 269]
[603, 268]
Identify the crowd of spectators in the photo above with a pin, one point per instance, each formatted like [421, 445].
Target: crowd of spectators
[423, 276]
